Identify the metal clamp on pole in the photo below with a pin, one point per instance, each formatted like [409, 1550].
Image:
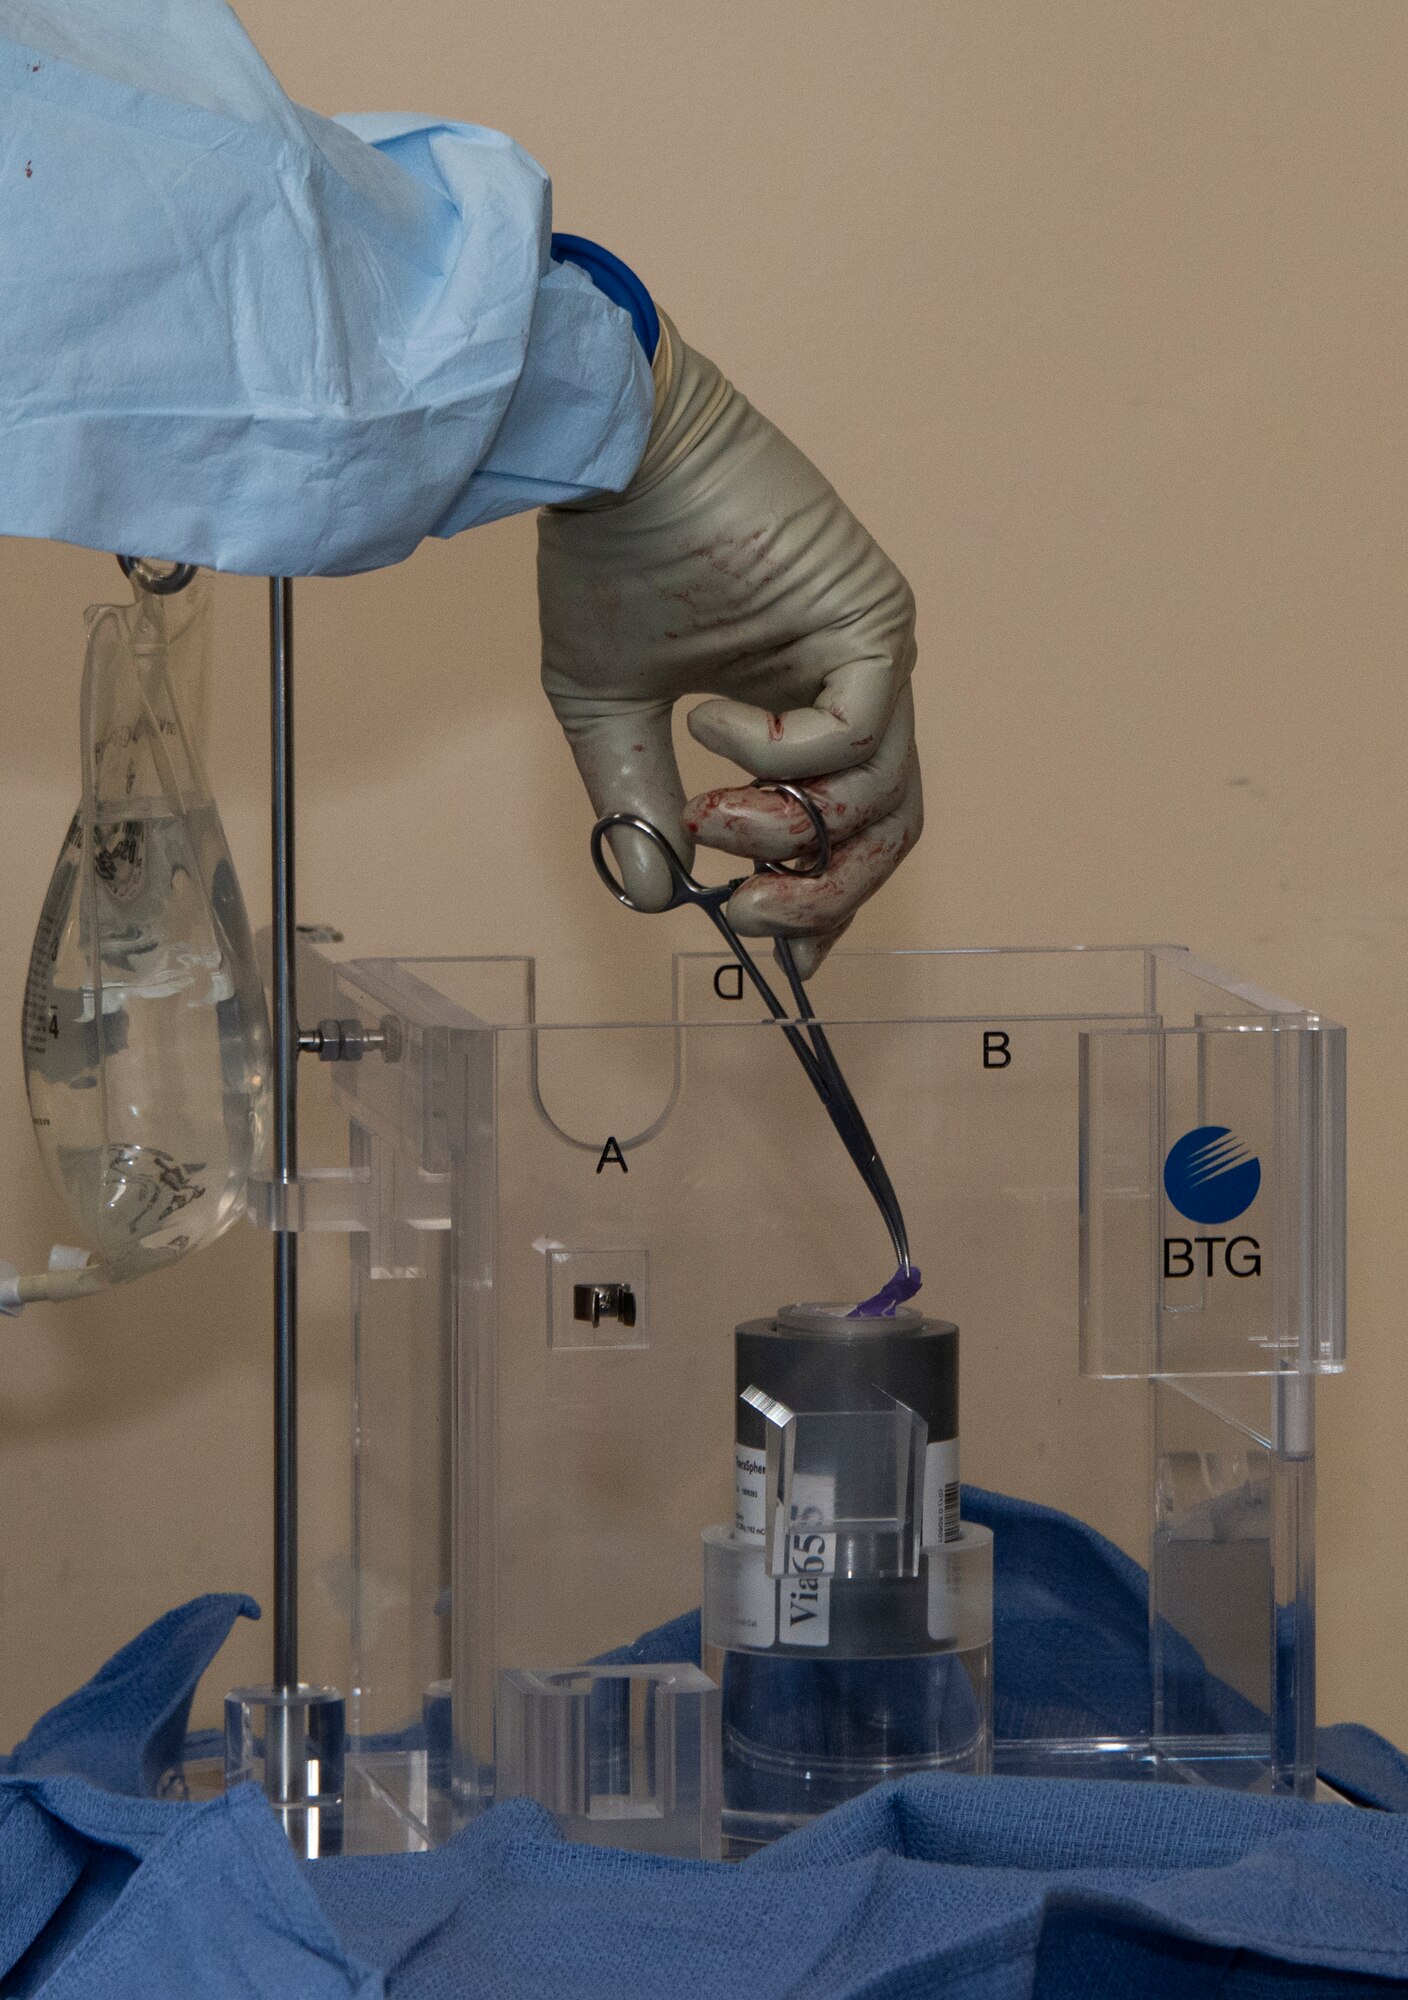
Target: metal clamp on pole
[349, 1041]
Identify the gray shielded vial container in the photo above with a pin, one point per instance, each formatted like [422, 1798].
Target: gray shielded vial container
[847, 1610]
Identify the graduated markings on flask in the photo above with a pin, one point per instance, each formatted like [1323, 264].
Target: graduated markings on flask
[41, 1018]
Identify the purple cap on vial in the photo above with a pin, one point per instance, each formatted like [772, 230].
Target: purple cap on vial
[902, 1286]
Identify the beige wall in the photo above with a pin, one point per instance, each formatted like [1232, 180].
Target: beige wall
[1094, 313]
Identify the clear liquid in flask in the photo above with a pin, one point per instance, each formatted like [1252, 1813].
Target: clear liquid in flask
[146, 1039]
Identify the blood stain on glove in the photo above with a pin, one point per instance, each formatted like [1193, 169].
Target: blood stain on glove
[736, 556]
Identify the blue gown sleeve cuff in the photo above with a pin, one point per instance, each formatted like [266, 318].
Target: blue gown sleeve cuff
[617, 280]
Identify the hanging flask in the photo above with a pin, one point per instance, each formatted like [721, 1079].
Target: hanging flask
[146, 1038]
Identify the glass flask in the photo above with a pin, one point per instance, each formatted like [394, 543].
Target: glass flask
[146, 1039]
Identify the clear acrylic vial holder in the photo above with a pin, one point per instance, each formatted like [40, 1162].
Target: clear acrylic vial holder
[828, 1687]
[554, 1228]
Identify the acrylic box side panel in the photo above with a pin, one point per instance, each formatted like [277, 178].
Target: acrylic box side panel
[471, 1418]
[1293, 1561]
[1275, 1094]
[1211, 1577]
[401, 1487]
[1185, 989]
[698, 1170]
[1232, 1598]
[1212, 1228]
[496, 992]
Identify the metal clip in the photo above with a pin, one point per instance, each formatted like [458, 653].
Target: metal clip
[599, 1302]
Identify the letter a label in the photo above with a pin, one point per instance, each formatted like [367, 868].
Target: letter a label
[612, 1156]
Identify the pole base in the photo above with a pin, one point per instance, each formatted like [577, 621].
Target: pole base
[291, 1743]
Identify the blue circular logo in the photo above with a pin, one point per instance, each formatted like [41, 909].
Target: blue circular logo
[1210, 1176]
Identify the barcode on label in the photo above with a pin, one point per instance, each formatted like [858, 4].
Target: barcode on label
[941, 1493]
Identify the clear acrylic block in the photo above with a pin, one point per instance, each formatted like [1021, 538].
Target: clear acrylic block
[625, 1756]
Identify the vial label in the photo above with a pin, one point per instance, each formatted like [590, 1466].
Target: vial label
[804, 1610]
[750, 1474]
[811, 1551]
[940, 1493]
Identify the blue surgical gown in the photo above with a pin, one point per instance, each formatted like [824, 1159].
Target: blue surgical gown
[240, 334]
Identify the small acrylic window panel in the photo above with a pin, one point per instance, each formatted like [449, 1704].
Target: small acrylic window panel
[597, 1298]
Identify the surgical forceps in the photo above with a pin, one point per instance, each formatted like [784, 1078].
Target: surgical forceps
[805, 1036]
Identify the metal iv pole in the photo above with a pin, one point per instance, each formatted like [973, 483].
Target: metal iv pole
[287, 1042]
[285, 1162]
[285, 1735]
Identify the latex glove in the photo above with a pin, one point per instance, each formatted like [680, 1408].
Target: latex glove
[729, 567]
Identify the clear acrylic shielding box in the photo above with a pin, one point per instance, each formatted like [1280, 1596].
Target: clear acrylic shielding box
[1123, 1177]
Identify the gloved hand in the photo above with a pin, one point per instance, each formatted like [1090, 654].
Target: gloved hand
[729, 567]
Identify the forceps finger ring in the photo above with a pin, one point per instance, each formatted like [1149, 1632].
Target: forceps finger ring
[683, 887]
[800, 796]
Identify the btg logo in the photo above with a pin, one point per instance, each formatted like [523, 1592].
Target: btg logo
[1212, 1178]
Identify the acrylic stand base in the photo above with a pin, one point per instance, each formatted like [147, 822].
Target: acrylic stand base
[291, 1742]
